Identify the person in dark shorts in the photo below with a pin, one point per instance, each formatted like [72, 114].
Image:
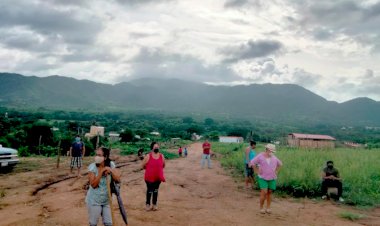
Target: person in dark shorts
[331, 178]
[249, 154]
[140, 154]
[77, 151]
[180, 151]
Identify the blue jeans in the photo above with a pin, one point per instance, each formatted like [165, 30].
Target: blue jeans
[95, 211]
[204, 158]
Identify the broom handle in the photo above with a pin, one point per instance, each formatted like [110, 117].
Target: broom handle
[110, 198]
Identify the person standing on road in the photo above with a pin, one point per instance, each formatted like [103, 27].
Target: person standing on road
[267, 166]
[185, 151]
[180, 151]
[98, 203]
[206, 154]
[154, 164]
[248, 156]
[77, 151]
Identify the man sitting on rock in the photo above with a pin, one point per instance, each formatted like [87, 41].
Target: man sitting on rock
[331, 178]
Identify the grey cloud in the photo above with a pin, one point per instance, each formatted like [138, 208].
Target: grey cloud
[251, 49]
[89, 55]
[50, 21]
[265, 67]
[368, 74]
[157, 63]
[35, 65]
[369, 85]
[68, 2]
[138, 35]
[349, 17]
[140, 2]
[322, 34]
[27, 41]
[306, 79]
[239, 4]
[235, 3]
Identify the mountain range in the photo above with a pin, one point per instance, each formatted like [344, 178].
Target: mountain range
[272, 102]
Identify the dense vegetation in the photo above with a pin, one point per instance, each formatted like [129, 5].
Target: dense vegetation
[38, 132]
[301, 173]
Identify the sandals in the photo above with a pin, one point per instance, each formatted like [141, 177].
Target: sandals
[264, 211]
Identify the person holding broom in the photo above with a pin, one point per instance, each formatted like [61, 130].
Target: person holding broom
[97, 199]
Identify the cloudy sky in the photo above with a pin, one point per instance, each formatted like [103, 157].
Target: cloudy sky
[330, 47]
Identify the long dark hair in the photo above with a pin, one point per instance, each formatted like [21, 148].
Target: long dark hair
[106, 154]
[152, 145]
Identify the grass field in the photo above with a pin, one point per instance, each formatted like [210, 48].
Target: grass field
[301, 172]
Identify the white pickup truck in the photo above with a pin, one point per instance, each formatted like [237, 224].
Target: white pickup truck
[8, 157]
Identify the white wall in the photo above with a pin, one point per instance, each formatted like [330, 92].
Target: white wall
[230, 139]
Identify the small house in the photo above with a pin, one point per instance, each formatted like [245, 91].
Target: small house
[231, 139]
[310, 140]
[97, 130]
[113, 136]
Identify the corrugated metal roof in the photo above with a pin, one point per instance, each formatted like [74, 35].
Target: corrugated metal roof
[312, 136]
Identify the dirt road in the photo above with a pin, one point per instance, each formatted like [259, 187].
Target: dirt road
[191, 196]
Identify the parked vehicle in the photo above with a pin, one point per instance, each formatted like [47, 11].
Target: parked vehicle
[8, 157]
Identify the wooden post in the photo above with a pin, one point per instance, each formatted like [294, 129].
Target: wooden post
[110, 198]
[97, 141]
[58, 153]
[39, 145]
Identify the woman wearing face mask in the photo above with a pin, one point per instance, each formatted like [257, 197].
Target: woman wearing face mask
[153, 164]
[266, 166]
[97, 196]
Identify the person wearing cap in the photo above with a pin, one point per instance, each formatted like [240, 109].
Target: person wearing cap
[331, 178]
[266, 166]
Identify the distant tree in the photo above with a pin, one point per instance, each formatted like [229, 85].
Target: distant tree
[209, 122]
[188, 120]
[195, 129]
[127, 135]
[142, 132]
[213, 136]
[239, 132]
[39, 134]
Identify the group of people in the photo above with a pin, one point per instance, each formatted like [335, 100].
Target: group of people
[265, 165]
[182, 150]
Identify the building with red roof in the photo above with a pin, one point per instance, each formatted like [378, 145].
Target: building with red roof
[310, 140]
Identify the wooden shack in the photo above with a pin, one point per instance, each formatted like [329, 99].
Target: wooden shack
[310, 140]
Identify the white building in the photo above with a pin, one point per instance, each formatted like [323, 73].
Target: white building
[113, 136]
[230, 139]
[155, 133]
[95, 130]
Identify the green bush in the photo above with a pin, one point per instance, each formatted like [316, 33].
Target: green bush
[24, 151]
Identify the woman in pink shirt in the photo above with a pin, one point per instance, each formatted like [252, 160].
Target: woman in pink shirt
[154, 164]
[266, 165]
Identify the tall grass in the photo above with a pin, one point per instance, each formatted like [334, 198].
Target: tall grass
[301, 172]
